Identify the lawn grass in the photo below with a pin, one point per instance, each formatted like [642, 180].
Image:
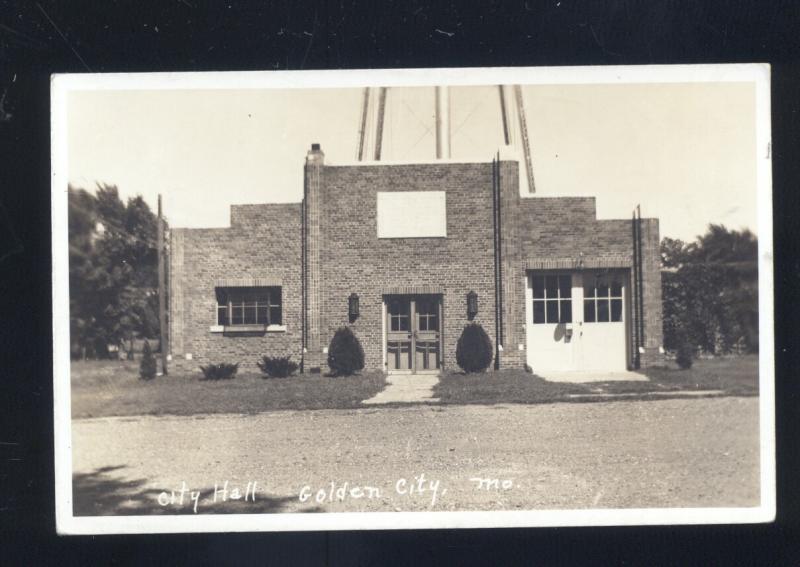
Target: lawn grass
[113, 388]
[735, 376]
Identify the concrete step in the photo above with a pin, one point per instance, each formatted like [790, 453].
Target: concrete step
[406, 388]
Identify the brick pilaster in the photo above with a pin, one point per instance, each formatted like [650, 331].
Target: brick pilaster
[176, 289]
[313, 357]
[651, 292]
[513, 272]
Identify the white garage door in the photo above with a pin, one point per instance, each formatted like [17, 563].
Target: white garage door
[577, 320]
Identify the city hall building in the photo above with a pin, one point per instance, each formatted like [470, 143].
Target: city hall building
[406, 255]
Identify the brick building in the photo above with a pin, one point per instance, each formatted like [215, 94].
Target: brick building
[418, 250]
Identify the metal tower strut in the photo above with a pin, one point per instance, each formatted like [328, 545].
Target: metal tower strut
[363, 130]
[379, 125]
[526, 147]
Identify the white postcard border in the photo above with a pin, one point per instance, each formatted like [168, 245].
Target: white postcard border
[62, 85]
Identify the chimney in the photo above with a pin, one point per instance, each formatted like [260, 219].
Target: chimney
[315, 155]
[442, 123]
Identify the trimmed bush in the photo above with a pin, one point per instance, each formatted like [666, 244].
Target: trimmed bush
[222, 371]
[345, 355]
[685, 353]
[474, 349]
[147, 367]
[277, 367]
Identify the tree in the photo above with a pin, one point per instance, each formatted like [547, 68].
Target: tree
[675, 252]
[82, 223]
[710, 291]
[113, 270]
[720, 245]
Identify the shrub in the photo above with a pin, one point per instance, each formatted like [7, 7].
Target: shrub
[474, 349]
[222, 371]
[684, 355]
[277, 367]
[345, 355]
[147, 367]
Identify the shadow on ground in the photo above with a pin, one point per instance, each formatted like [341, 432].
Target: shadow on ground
[103, 492]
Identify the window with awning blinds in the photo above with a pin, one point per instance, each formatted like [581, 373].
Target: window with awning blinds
[249, 306]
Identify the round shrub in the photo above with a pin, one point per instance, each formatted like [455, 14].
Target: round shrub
[222, 371]
[474, 349]
[147, 367]
[345, 355]
[277, 367]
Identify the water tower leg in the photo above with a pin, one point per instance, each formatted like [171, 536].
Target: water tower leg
[442, 123]
[379, 123]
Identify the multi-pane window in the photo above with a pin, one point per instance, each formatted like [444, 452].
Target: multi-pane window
[428, 314]
[249, 306]
[602, 299]
[552, 299]
[399, 315]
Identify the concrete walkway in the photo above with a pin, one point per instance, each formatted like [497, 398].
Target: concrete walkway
[582, 377]
[406, 389]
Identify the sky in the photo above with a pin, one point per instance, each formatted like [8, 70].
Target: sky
[686, 152]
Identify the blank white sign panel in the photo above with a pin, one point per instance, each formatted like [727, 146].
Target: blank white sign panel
[412, 214]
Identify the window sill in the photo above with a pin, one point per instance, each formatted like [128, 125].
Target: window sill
[233, 329]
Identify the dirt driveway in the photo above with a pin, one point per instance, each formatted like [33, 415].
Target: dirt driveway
[680, 452]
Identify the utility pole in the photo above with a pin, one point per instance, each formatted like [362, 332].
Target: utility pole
[162, 300]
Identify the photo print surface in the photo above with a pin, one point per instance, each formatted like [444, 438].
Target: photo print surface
[407, 299]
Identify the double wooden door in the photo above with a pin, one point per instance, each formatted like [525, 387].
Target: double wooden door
[413, 333]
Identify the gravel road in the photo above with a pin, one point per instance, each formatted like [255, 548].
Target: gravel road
[666, 453]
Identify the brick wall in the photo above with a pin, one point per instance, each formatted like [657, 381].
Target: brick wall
[564, 233]
[254, 217]
[343, 255]
[566, 227]
[355, 260]
[262, 242]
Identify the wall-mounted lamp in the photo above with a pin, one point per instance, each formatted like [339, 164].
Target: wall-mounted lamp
[472, 305]
[352, 307]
